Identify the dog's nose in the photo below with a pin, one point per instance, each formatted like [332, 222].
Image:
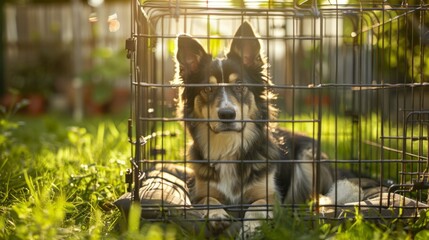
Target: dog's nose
[226, 113]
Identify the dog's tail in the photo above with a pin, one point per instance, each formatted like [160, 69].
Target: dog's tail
[342, 192]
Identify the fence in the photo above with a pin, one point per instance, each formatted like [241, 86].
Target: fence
[44, 53]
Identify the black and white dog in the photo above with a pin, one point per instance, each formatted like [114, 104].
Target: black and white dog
[228, 109]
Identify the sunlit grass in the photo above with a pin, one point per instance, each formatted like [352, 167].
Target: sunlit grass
[56, 175]
[57, 178]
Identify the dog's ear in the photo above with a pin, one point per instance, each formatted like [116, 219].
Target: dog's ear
[246, 47]
[189, 53]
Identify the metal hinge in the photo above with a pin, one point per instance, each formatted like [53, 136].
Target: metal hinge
[129, 179]
[130, 46]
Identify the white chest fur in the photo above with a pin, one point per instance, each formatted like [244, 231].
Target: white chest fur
[229, 182]
[224, 146]
[221, 150]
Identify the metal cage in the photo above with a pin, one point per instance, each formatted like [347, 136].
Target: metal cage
[351, 74]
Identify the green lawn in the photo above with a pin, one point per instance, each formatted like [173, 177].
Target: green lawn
[58, 178]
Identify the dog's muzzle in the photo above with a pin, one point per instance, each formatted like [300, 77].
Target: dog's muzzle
[227, 121]
[226, 114]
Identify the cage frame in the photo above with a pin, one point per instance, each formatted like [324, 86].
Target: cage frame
[142, 64]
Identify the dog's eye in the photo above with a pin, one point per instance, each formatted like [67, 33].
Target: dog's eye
[239, 87]
[208, 89]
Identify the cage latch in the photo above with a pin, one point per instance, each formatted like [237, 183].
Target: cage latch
[130, 46]
[420, 184]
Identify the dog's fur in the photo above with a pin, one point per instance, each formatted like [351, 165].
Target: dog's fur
[228, 110]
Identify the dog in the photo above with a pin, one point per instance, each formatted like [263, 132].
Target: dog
[238, 154]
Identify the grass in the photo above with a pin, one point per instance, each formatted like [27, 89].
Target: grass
[58, 178]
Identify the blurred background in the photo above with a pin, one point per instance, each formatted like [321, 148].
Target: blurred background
[68, 56]
[65, 56]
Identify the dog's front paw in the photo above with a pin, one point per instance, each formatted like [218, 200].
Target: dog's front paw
[252, 222]
[218, 219]
[249, 229]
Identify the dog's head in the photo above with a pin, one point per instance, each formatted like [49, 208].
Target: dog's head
[229, 92]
